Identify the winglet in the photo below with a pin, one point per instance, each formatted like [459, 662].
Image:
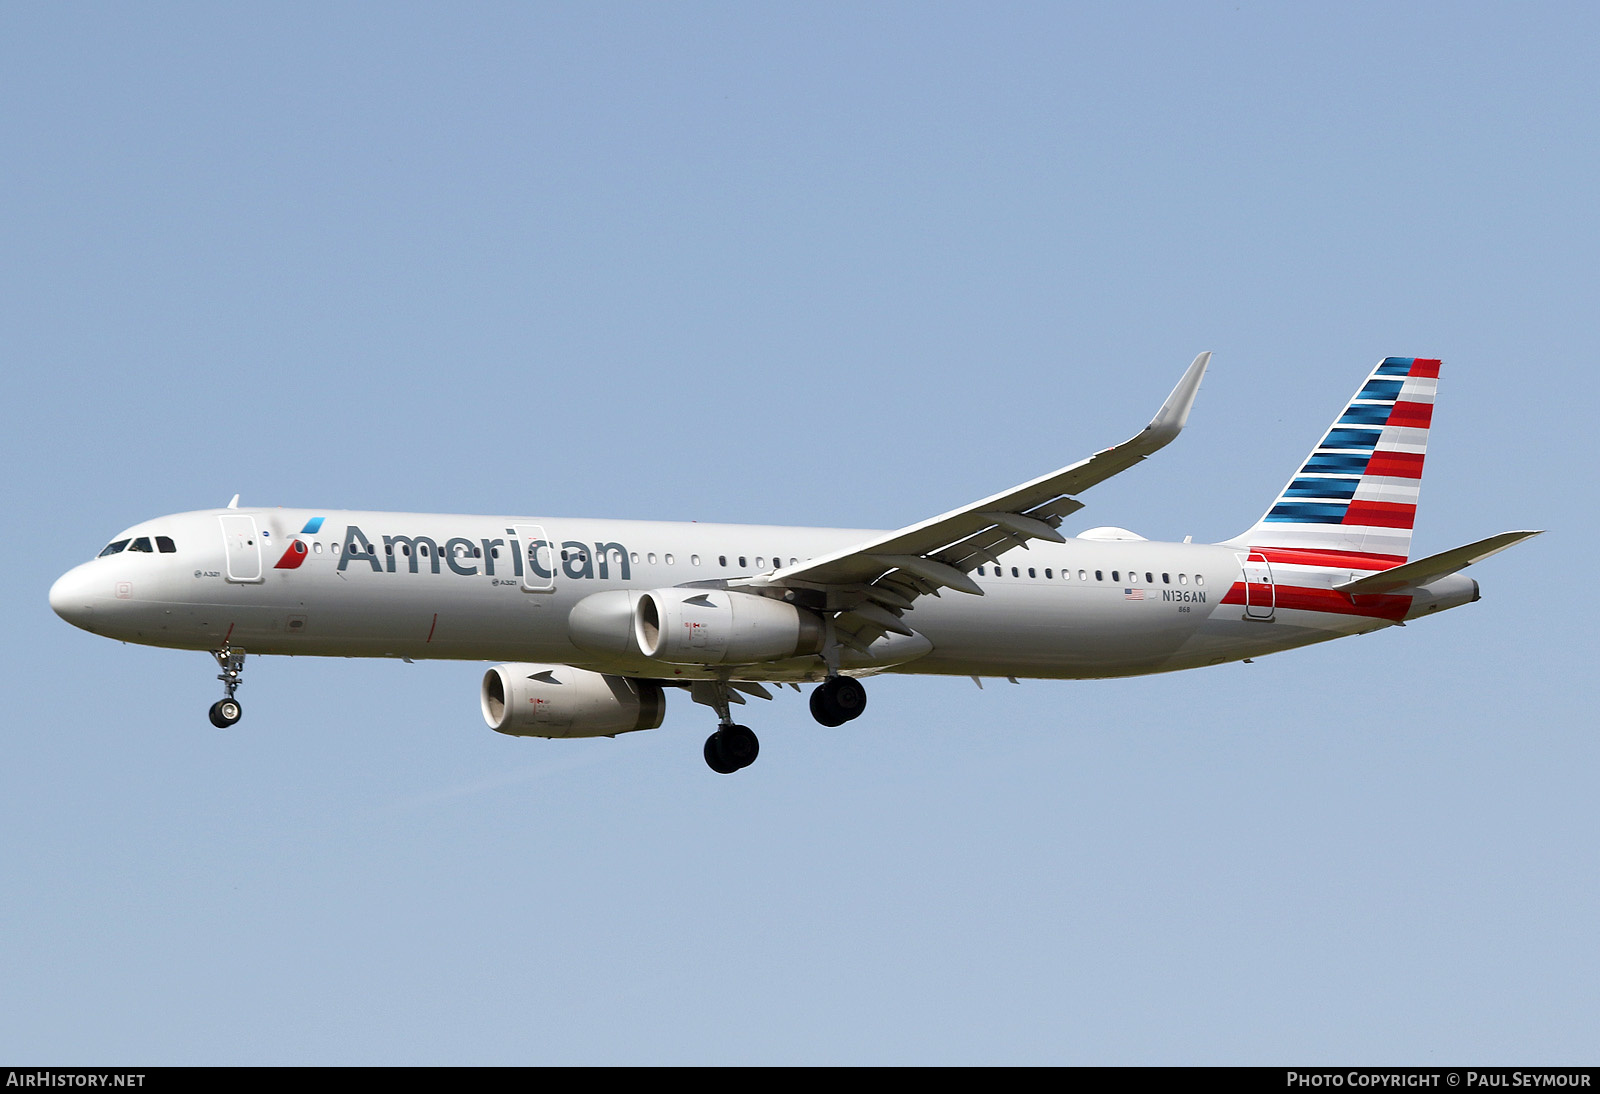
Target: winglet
[234, 504]
[1174, 413]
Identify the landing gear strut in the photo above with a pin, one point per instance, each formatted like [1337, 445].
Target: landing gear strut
[226, 711]
[837, 700]
[732, 746]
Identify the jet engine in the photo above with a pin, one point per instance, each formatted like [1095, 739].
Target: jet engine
[716, 627]
[562, 701]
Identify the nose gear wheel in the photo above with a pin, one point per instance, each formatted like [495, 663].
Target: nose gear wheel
[227, 710]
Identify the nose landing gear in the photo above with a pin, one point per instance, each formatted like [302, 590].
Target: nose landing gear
[226, 711]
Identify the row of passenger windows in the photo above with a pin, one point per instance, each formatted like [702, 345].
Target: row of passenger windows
[163, 544]
[650, 557]
[1099, 575]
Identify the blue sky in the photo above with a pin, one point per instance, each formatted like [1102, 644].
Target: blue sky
[815, 264]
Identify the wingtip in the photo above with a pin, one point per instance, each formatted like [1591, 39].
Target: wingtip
[1174, 413]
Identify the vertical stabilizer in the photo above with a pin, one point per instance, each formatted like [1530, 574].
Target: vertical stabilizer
[1355, 499]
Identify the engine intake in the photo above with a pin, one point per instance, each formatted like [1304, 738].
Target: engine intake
[718, 627]
[562, 701]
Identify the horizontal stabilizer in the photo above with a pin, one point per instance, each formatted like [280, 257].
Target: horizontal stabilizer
[1432, 568]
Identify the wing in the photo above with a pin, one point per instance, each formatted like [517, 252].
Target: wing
[871, 584]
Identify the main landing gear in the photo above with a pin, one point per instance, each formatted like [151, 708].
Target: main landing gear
[837, 700]
[732, 746]
[226, 711]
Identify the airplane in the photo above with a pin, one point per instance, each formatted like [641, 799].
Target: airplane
[594, 621]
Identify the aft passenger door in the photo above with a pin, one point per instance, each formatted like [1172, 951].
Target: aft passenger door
[1260, 595]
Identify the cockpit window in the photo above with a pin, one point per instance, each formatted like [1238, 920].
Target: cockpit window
[113, 548]
[166, 546]
[142, 544]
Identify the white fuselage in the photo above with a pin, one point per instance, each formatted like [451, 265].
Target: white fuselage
[412, 585]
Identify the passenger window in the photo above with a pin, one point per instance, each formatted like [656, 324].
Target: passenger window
[1116, 575]
[1031, 573]
[1083, 575]
[651, 557]
[980, 572]
[317, 547]
[113, 548]
[1166, 579]
[1047, 573]
[1183, 579]
[1099, 575]
[761, 563]
[1199, 580]
[1014, 572]
[669, 560]
[694, 560]
[742, 563]
[722, 560]
[1149, 578]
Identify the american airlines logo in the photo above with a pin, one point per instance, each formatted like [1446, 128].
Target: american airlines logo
[295, 554]
[464, 556]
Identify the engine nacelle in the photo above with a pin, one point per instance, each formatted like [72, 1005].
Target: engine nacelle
[603, 623]
[718, 627]
[562, 701]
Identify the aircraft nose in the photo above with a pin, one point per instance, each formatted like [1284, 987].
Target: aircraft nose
[70, 599]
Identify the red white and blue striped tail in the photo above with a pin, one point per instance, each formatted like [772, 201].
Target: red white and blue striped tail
[1355, 500]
